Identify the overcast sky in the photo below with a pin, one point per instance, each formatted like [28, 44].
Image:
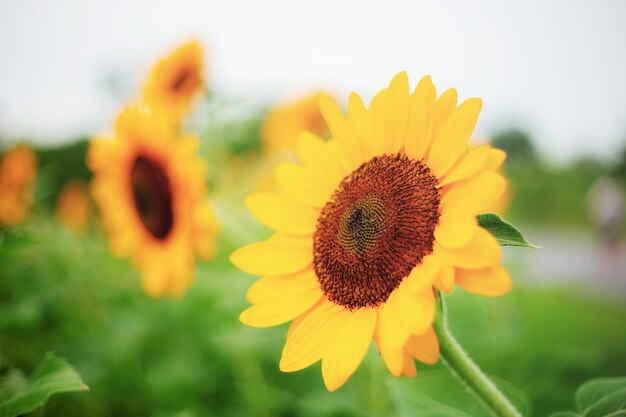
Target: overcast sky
[557, 68]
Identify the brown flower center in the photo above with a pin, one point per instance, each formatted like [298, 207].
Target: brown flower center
[152, 196]
[376, 227]
[186, 79]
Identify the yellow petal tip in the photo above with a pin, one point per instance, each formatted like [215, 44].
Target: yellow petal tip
[234, 258]
[286, 367]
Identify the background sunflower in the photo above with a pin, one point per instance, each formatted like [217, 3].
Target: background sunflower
[149, 185]
[176, 80]
[18, 169]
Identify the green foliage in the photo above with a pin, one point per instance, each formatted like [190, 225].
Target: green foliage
[517, 144]
[505, 233]
[19, 395]
[544, 193]
[56, 167]
[546, 342]
[439, 393]
[619, 168]
[600, 397]
[552, 195]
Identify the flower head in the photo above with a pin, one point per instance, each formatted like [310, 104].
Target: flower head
[284, 123]
[149, 185]
[368, 225]
[279, 133]
[176, 80]
[18, 171]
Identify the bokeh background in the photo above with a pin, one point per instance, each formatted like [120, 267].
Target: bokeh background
[552, 80]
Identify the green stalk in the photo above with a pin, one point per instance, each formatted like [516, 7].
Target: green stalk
[468, 372]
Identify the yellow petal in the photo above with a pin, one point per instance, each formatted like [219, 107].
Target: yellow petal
[296, 322]
[408, 365]
[469, 165]
[454, 232]
[416, 311]
[422, 277]
[377, 114]
[391, 332]
[495, 159]
[474, 196]
[301, 184]
[397, 114]
[125, 244]
[282, 213]
[310, 338]
[424, 347]
[340, 129]
[205, 247]
[153, 280]
[393, 358]
[316, 155]
[187, 145]
[444, 108]
[284, 306]
[310, 149]
[101, 152]
[274, 257]
[452, 140]
[422, 114]
[491, 281]
[266, 288]
[346, 352]
[445, 278]
[481, 252]
[360, 123]
[346, 162]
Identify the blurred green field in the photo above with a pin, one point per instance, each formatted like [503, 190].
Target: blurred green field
[143, 357]
[63, 293]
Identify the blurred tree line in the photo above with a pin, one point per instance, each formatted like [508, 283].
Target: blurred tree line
[545, 193]
[57, 166]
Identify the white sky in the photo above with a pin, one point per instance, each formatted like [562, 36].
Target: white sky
[557, 68]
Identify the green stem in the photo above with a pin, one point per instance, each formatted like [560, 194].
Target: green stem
[468, 372]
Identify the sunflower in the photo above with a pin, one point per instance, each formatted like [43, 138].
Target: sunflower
[73, 206]
[280, 131]
[176, 80]
[368, 225]
[149, 185]
[18, 171]
[284, 123]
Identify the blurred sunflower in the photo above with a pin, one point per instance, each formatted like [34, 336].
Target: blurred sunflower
[368, 224]
[18, 171]
[149, 185]
[281, 129]
[284, 124]
[73, 206]
[176, 80]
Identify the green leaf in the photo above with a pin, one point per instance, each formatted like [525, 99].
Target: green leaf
[505, 233]
[600, 397]
[438, 393]
[20, 395]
